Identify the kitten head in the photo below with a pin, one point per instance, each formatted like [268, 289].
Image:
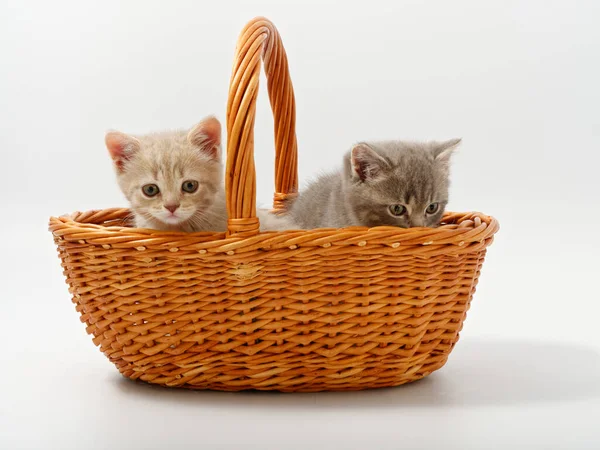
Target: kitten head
[399, 183]
[169, 178]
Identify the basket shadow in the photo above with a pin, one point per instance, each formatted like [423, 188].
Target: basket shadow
[479, 372]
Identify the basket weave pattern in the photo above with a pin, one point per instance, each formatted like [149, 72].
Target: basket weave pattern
[300, 310]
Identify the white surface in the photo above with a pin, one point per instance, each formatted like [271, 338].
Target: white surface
[517, 80]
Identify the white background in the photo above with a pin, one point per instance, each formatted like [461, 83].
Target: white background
[519, 81]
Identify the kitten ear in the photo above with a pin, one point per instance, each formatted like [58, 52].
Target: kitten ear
[207, 137]
[442, 151]
[366, 163]
[121, 147]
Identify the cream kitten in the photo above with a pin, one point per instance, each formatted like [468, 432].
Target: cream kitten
[174, 180]
[396, 183]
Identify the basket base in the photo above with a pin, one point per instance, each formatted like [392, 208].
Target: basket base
[347, 380]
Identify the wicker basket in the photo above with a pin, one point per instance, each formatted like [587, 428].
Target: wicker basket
[327, 309]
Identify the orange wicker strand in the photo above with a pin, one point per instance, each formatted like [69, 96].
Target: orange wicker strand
[305, 310]
[259, 39]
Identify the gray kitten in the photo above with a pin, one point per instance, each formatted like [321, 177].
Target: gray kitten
[174, 179]
[397, 183]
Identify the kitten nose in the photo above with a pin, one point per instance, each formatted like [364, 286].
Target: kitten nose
[417, 222]
[172, 208]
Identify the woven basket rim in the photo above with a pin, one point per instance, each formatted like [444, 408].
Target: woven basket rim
[94, 227]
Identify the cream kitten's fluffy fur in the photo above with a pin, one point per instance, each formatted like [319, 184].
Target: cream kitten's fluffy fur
[174, 180]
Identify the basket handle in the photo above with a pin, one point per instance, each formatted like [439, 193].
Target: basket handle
[259, 39]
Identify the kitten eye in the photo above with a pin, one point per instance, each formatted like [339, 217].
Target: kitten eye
[432, 208]
[150, 190]
[190, 186]
[397, 210]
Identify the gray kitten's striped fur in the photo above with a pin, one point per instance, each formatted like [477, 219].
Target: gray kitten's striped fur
[381, 183]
